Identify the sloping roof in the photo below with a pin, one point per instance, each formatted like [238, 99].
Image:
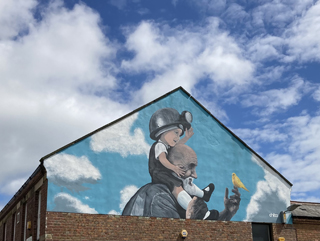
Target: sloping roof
[21, 189]
[306, 210]
[138, 109]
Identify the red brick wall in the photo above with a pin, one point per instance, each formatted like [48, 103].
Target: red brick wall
[32, 211]
[29, 196]
[9, 228]
[72, 226]
[307, 229]
[75, 226]
[284, 230]
[43, 211]
[1, 231]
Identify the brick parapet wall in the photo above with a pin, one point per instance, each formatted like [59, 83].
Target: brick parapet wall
[307, 229]
[74, 226]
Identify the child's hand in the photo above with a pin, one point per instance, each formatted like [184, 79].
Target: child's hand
[187, 136]
[189, 133]
[178, 171]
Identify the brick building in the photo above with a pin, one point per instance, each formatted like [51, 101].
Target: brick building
[99, 187]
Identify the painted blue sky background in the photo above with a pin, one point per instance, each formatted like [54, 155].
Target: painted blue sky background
[120, 155]
[69, 67]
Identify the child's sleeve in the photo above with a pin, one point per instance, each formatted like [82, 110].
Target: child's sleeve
[158, 149]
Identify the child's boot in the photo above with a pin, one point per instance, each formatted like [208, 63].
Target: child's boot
[207, 191]
[211, 215]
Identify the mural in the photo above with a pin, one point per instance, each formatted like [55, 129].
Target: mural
[172, 184]
[169, 159]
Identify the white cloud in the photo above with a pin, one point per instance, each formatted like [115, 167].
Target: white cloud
[273, 185]
[211, 104]
[15, 17]
[183, 55]
[302, 167]
[302, 36]
[293, 35]
[304, 198]
[114, 212]
[148, 49]
[304, 131]
[120, 4]
[118, 138]
[126, 194]
[279, 161]
[276, 13]
[50, 75]
[52, 48]
[277, 99]
[265, 48]
[267, 134]
[64, 202]
[316, 94]
[296, 150]
[12, 186]
[71, 172]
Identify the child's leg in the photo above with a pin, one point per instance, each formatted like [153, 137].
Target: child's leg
[194, 190]
[183, 198]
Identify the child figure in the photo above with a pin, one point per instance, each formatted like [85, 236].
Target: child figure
[166, 127]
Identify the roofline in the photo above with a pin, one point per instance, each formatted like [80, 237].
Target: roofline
[306, 203]
[156, 100]
[38, 169]
[245, 144]
[306, 217]
[110, 124]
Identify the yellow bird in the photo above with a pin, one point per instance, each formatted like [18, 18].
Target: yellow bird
[237, 182]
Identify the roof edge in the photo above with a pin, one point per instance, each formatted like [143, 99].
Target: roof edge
[304, 203]
[111, 123]
[245, 144]
[156, 100]
[38, 169]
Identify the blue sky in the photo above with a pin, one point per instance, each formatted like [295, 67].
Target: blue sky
[68, 68]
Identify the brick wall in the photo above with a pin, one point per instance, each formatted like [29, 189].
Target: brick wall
[43, 212]
[26, 197]
[72, 226]
[307, 229]
[284, 230]
[75, 226]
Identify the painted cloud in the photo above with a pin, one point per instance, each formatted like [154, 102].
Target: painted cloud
[270, 193]
[125, 195]
[71, 172]
[64, 202]
[117, 138]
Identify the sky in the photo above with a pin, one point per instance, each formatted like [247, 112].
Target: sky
[70, 67]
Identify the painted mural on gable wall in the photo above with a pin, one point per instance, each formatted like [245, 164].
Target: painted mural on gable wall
[169, 159]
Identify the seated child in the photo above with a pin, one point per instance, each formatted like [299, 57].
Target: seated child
[166, 127]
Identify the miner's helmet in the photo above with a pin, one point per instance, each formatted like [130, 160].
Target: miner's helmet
[167, 119]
